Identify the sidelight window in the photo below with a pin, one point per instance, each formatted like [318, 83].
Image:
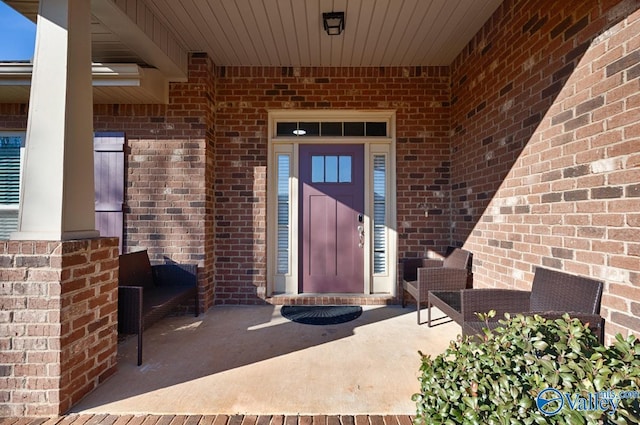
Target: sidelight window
[284, 165]
[379, 214]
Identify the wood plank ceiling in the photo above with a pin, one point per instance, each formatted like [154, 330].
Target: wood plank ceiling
[289, 32]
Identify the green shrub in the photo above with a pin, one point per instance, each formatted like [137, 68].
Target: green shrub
[495, 379]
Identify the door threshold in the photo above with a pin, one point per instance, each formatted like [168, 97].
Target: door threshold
[333, 299]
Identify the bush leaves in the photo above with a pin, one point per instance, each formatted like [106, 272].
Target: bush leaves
[496, 378]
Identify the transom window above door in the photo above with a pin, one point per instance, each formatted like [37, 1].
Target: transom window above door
[332, 129]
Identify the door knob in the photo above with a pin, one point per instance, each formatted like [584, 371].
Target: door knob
[361, 236]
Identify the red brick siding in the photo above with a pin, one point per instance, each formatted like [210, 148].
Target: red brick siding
[88, 316]
[546, 148]
[243, 97]
[13, 116]
[58, 321]
[169, 181]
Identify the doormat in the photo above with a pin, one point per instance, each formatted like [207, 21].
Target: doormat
[321, 314]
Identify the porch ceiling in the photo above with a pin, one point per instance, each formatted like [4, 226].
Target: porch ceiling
[289, 32]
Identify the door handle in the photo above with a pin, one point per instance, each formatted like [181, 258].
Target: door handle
[361, 236]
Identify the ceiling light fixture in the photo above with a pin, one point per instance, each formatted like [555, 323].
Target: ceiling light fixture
[299, 132]
[333, 22]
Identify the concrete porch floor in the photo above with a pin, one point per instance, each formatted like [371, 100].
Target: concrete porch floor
[250, 360]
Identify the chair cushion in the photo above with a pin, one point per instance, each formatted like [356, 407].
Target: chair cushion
[159, 301]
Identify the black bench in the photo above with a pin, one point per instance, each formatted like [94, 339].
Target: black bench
[147, 293]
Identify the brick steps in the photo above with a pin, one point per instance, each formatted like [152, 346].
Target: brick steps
[332, 299]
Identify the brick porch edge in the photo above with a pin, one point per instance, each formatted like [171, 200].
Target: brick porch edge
[214, 420]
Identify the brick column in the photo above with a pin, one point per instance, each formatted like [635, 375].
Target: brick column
[58, 322]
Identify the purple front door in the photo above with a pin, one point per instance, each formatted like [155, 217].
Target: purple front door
[332, 218]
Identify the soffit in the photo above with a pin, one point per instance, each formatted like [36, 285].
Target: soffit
[112, 83]
[289, 32]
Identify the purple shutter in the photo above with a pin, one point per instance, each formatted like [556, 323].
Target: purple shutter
[108, 161]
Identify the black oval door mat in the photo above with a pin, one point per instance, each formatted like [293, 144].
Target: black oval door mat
[321, 314]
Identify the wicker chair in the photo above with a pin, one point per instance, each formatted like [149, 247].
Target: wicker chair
[419, 276]
[553, 293]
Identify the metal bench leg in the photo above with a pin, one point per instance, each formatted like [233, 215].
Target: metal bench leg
[139, 347]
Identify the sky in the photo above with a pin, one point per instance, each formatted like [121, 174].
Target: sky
[17, 35]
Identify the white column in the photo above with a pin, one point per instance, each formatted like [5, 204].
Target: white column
[57, 193]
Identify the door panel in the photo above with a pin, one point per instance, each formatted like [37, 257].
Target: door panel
[321, 224]
[332, 194]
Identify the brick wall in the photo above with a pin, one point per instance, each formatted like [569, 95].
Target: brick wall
[58, 319]
[170, 171]
[13, 116]
[546, 150]
[243, 96]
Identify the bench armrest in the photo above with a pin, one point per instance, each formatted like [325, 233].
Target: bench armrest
[129, 309]
[175, 274]
[503, 301]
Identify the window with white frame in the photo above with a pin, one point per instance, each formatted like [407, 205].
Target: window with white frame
[11, 153]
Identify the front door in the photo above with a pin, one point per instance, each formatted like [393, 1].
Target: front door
[332, 218]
